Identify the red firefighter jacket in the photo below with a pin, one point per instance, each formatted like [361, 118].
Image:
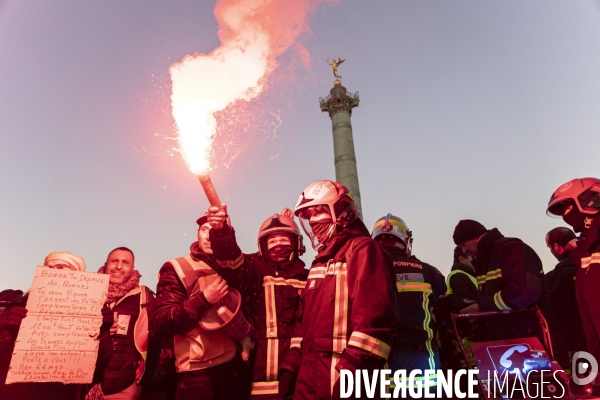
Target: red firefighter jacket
[586, 255]
[271, 293]
[348, 314]
[509, 273]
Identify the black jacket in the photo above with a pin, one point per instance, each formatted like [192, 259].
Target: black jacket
[460, 284]
[271, 293]
[419, 286]
[561, 286]
[509, 273]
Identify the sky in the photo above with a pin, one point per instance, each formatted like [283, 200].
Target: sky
[468, 109]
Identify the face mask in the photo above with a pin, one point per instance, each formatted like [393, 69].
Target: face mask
[279, 253]
[320, 230]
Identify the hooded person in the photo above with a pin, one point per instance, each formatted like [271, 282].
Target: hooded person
[127, 352]
[13, 312]
[348, 309]
[209, 364]
[271, 281]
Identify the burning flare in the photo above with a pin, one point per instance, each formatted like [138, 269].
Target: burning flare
[252, 33]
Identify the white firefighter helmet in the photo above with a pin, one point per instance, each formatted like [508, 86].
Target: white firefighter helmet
[394, 226]
[325, 197]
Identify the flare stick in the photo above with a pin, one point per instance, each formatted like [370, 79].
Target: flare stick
[209, 190]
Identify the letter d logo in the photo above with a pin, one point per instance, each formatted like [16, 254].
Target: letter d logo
[590, 364]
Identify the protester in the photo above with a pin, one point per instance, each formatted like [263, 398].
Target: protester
[578, 203]
[419, 286]
[270, 282]
[348, 307]
[10, 321]
[208, 363]
[461, 280]
[561, 286]
[130, 354]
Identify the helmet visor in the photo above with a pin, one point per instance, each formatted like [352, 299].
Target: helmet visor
[318, 224]
[557, 210]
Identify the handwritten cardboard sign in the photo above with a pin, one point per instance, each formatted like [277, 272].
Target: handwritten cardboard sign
[57, 340]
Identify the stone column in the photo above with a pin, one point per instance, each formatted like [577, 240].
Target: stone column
[339, 105]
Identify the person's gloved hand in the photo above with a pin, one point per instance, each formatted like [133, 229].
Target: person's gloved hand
[287, 384]
[12, 316]
[216, 290]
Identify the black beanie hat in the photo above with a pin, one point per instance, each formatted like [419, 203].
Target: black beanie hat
[467, 229]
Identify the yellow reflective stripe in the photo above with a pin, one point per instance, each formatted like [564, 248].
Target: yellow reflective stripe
[428, 330]
[271, 325]
[271, 280]
[272, 358]
[593, 259]
[457, 271]
[317, 272]
[295, 342]
[495, 274]
[340, 318]
[391, 222]
[259, 388]
[370, 344]
[500, 303]
[413, 287]
[232, 264]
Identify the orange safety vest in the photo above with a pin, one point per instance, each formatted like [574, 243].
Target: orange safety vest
[199, 348]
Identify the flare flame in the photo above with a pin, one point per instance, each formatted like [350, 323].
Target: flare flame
[252, 33]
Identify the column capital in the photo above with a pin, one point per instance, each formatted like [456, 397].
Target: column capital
[339, 99]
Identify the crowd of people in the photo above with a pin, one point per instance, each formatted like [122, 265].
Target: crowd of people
[366, 302]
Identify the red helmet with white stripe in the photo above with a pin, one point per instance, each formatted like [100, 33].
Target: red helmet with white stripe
[323, 204]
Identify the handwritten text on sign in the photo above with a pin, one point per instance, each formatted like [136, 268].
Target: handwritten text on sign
[57, 340]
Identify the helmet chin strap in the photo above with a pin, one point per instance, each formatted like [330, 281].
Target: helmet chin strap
[587, 222]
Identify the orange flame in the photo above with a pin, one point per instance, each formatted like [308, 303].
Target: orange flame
[252, 33]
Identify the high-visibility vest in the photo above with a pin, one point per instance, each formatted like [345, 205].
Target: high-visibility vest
[198, 348]
[458, 271]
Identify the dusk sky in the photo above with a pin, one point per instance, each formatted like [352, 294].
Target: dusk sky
[468, 109]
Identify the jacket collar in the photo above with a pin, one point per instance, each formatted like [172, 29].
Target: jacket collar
[355, 229]
[462, 267]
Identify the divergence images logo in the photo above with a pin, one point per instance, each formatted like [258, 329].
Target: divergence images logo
[584, 364]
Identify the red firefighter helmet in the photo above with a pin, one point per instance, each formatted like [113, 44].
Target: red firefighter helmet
[279, 223]
[332, 197]
[584, 193]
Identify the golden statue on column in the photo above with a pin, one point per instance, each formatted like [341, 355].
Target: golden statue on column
[334, 65]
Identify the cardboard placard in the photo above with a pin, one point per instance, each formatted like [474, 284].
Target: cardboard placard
[57, 340]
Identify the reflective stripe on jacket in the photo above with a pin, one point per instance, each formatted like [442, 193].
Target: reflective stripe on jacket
[198, 348]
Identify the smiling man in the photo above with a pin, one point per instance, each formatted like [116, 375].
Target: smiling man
[125, 360]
